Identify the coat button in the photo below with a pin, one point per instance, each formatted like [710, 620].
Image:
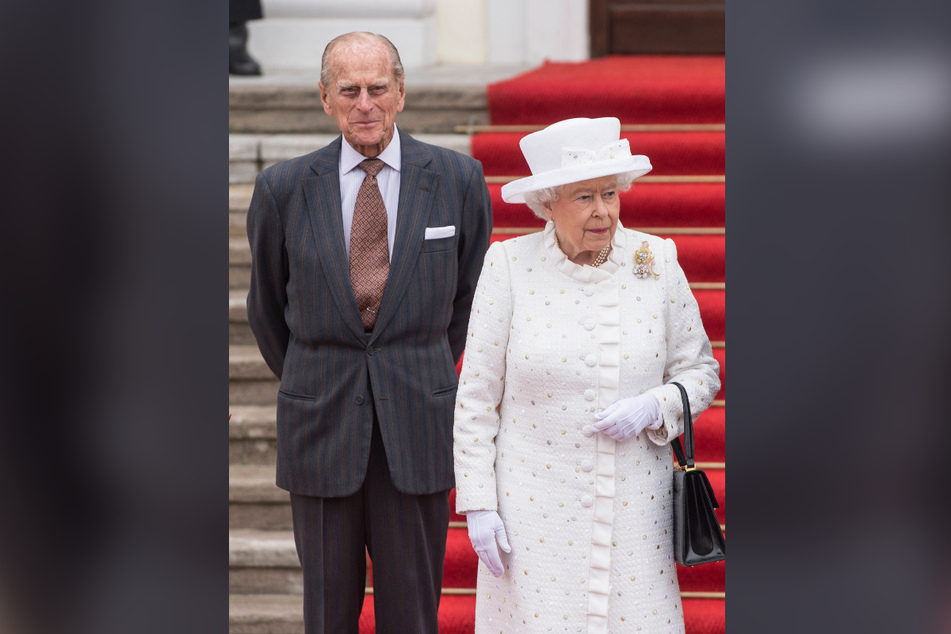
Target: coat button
[589, 290]
[589, 395]
[591, 360]
[359, 400]
[370, 351]
[587, 501]
[589, 323]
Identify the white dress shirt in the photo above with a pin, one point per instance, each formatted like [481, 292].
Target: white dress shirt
[351, 178]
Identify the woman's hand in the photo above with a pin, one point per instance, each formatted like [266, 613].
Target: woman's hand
[485, 527]
[628, 417]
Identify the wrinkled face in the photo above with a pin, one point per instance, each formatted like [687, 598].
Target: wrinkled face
[363, 96]
[585, 216]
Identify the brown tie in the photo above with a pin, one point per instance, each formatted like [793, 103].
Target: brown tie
[369, 255]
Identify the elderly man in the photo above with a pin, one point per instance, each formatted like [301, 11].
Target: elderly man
[365, 257]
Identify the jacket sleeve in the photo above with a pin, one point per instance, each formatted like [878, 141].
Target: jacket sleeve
[482, 386]
[474, 240]
[690, 359]
[267, 297]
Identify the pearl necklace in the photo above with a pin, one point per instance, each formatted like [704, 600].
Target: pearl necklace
[598, 261]
[602, 256]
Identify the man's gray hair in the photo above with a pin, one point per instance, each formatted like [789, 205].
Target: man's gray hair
[326, 75]
[536, 200]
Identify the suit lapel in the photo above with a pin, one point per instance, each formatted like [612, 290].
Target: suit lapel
[322, 192]
[417, 191]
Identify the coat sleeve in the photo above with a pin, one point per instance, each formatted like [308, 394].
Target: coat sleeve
[482, 386]
[474, 240]
[267, 297]
[690, 359]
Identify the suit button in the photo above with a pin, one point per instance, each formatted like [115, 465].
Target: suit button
[359, 400]
[370, 351]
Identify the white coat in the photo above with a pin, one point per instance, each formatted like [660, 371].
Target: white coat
[589, 519]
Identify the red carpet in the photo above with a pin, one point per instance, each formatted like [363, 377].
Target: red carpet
[709, 435]
[670, 153]
[457, 615]
[461, 567]
[645, 205]
[635, 89]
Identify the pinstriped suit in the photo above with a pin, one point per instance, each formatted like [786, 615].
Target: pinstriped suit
[335, 378]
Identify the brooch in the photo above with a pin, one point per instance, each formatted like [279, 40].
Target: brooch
[644, 262]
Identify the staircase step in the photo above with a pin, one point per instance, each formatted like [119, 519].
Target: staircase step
[462, 563]
[239, 199]
[646, 205]
[249, 154]
[670, 153]
[649, 205]
[716, 476]
[712, 303]
[283, 614]
[266, 562]
[271, 108]
[250, 381]
[263, 562]
[243, 160]
[255, 501]
[709, 435]
[720, 355]
[655, 89]
[700, 256]
[239, 331]
[252, 434]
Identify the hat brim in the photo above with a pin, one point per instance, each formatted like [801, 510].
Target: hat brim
[636, 166]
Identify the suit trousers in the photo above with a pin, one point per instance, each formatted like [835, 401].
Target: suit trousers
[405, 536]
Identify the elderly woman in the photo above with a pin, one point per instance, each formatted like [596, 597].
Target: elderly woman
[564, 410]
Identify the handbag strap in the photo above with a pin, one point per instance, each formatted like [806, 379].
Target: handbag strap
[685, 461]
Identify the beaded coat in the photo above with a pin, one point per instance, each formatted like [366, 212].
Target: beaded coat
[589, 519]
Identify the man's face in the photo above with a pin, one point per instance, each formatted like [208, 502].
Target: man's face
[363, 96]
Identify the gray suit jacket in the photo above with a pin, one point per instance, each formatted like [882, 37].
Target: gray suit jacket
[305, 318]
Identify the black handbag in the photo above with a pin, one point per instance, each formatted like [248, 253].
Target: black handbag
[697, 535]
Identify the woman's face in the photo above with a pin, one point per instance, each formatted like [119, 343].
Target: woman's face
[585, 216]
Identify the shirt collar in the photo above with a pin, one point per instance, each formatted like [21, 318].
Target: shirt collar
[350, 158]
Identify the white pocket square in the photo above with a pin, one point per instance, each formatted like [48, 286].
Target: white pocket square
[434, 233]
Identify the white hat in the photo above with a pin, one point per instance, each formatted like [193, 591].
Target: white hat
[574, 150]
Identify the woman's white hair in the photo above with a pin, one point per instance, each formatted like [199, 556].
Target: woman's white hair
[536, 200]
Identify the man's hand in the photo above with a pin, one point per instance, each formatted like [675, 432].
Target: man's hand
[485, 527]
[628, 417]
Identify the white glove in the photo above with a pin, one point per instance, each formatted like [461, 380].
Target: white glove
[628, 417]
[485, 527]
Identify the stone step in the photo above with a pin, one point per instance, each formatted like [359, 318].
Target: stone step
[254, 501]
[266, 562]
[250, 381]
[249, 154]
[239, 332]
[239, 262]
[239, 199]
[265, 614]
[252, 435]
[283, 614]
[438, 98]
[263, 562]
